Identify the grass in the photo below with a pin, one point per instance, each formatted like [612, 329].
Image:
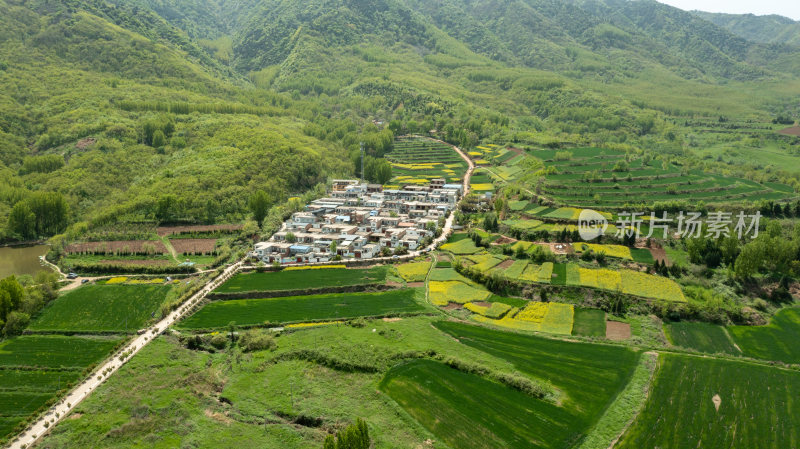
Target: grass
[302, 279]
[36, 380]
[702, 337]
[54, 351]
[776, 341]
[252, 312]
[589, 322]
[589, 376]
[642, 255]
[466, 411]
[757, 409]
[108, 308]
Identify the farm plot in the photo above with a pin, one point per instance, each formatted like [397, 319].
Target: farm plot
[463, 291]
[588, 377]
[547, 317]
[36, 380]
[119, 247]
[589, 322]
[417, 160]
[54, 351]
[776, 341]
[194, 246]
[414, 271]
[466, 411]
[302, 279]
[618, 251]
[700, 402]
[178, 231]
[102, 308]
[255, 312]
[703, 337]
[461, 244]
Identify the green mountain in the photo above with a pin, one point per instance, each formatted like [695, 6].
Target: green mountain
[771, 29]
[117, 106]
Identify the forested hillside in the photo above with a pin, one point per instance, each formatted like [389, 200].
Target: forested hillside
[119, 110]
[771, 29]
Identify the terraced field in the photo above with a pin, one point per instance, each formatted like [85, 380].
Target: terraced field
[34, 369]
[254, 312]
[102, 308]
[417, 160]
[301, 279]
[776, 341]
[698, 402]
[592, 178]
[703, 337]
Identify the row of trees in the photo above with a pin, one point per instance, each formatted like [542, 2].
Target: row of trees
[40, 214]
[354, 436]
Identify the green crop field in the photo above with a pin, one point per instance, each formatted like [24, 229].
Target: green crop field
[589, 322]
[703, 337]
[589, 377]
[116, 308]
[466, 411]
[301, 279]
[248, 312]
[777, 341]
[757, 406]
[54, 351]
[417, 160]
[36, 380]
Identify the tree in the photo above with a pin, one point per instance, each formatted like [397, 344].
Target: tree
[259, 205]
[158, 139]
[330, 442]
[22, 221]
[14, 289]
[165, 207]
[290, 237]
[16, 323]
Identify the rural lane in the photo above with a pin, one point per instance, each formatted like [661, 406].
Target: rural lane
[62, 408]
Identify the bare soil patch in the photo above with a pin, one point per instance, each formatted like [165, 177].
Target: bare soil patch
[392, 320]
[452, 306]
[790, 131]
[416, 284]
[505, 264]
[85, 143]
[75, 416]
[617, 331]
[717, 401]
[503, 241]
[194, 246]
[515, 150]
[217, 416]
[483, 304]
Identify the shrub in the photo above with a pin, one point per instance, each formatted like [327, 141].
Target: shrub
[256, 340]
[219, 341]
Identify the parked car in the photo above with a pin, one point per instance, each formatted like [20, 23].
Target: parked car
[72, 276]
[83, 281]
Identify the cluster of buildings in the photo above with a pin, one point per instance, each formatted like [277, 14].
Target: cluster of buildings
[361, 221]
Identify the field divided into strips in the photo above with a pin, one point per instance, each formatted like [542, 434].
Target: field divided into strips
[587, 376]
[550, 317]
[293, 309]
[777, 341]
[446, 285]
[34, 369]
[300, 279]
[698, 402]
[481, 181]
[466, 411]
[635, 181]
[702, 337]
[417, 160]
[102, 308]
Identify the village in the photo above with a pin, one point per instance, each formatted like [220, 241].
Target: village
[362, 221]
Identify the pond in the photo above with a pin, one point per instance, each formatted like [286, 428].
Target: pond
[21, 260]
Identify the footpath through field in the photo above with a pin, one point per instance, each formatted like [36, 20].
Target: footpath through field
[62, 408]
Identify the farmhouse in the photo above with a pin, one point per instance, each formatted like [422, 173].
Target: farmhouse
[360, 221]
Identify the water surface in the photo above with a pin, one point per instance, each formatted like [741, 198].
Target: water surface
[21, 260]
